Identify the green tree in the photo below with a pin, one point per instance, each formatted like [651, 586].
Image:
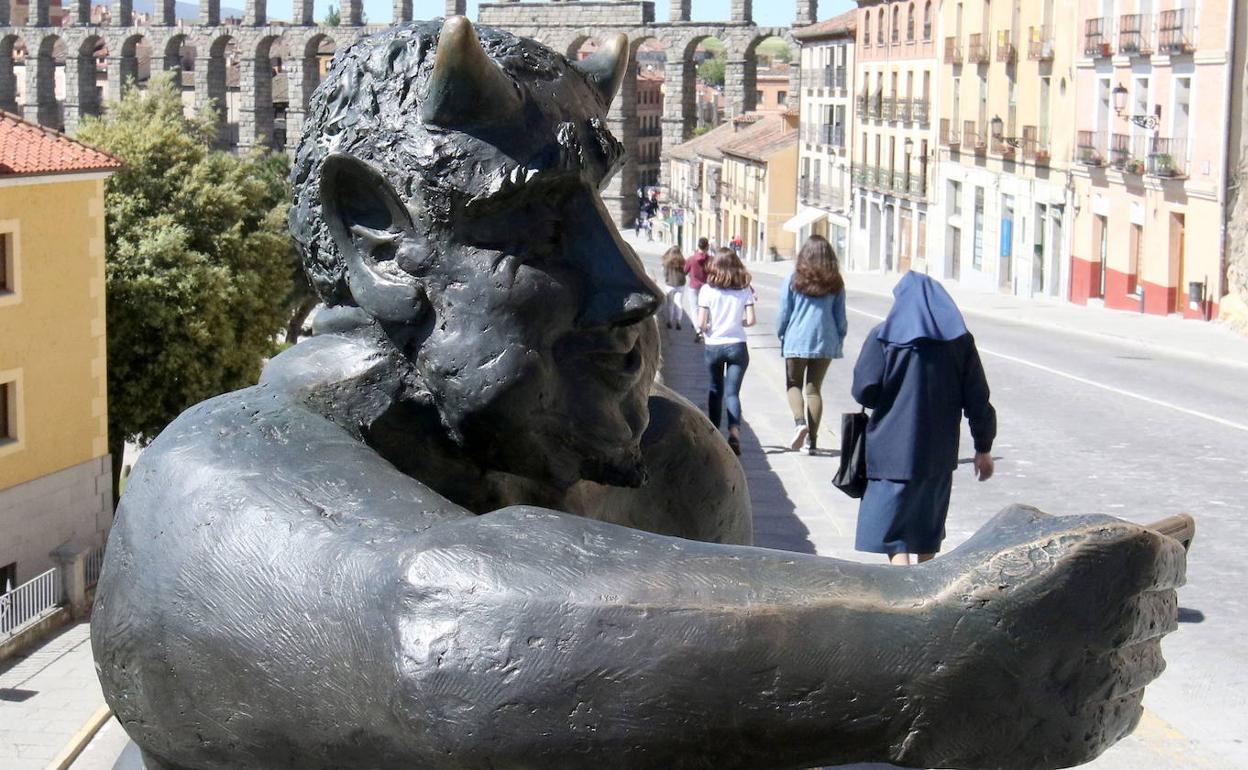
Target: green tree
[198, 262]
[332, 17]
[711, 71]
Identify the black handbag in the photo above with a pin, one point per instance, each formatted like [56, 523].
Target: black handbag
[851, 477]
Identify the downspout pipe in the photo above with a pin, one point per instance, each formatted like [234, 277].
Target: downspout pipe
[1227, 170]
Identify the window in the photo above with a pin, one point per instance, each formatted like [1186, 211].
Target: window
[910, 25]
[955, 198]
[896, 25]
[1182, 111]
[921, 249]
[866, 29]
[927, 20]
[879, 28]
[782, 98]
[1135, 247]
[6, 268]
[8, 407]
[758, 98]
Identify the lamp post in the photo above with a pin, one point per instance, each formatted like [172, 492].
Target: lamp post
[998, 129]
[908, 145]
[1143, 121]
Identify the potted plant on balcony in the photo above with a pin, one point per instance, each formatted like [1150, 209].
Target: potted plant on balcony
[1042, 157]
[1163, 165]
[1134, 166]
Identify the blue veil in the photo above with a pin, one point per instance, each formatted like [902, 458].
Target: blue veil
[922, 309]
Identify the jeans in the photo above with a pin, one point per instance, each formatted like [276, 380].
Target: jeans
[727, 364]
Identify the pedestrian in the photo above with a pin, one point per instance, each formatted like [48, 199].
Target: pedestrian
[637, 226]
[811, 325]
[919, 372]
[695, 268]
[674, 285]
[725, 309]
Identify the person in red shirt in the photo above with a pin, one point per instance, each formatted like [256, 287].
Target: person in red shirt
[695, 267]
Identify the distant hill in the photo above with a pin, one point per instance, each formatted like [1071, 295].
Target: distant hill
[185, 11]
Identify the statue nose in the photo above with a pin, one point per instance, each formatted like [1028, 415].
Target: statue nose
[618, 292]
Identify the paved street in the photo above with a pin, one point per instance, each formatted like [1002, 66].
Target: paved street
[1090, 422]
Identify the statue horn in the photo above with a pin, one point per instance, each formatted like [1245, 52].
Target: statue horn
[605, 69]
[466, 87]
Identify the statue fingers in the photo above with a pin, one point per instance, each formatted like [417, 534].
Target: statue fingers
[1155, 614]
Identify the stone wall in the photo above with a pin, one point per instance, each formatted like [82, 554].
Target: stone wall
[72, 506]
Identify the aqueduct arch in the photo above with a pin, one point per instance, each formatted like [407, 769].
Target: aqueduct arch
[251, 46]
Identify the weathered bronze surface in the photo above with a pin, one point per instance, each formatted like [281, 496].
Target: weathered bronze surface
[460, 527]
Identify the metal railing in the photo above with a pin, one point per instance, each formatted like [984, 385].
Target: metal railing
[875, 106]
[1006, 52]
[949, 135]
[900, 183]
[1174, 31]
[918, 184]
[1090, 148]
[1040, 44]
[30, 602]
[971, 137]
[1095, 39]
[860, 103]
[921, 110]
[953, 51]
[1167, 158]
[977, 49]
[1035, 145]
[889, 112]
[1133, 35]
[93, 564]
[904, 111]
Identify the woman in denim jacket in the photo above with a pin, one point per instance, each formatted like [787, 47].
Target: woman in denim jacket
[811, 325]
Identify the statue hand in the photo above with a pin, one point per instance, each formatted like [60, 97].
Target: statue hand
[1050, 628]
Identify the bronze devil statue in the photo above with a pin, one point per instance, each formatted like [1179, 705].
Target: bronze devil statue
[462, 527]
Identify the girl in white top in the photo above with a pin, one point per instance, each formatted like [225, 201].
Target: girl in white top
[725, 309]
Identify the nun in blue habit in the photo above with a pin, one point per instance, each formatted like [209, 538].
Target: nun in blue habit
[918, 372]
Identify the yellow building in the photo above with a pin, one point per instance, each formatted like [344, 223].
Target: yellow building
[55, 479]
[1006, 94]
[760, 188]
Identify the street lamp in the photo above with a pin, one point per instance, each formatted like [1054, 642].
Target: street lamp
[1120, 105]
[998, 128]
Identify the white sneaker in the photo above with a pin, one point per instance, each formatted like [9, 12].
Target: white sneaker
[799, 437]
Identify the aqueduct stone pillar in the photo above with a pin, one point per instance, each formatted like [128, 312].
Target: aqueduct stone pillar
[620, 196]
[743, 10]
[303, 13]
[296, 97]
[680, 10]
[73, 91]
[739, 84]
[255, 84]
[5, 12]
[807, 12]
[8, 83]
[352, 13]
[456, 7]
[678, 107]
[41, 106]
[209, 16]
[40, 17]
[123, 13]
[401, 11]
[255, 13]
[81, 15]
[167, 13]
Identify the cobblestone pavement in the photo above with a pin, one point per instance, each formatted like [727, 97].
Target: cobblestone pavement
[45, 698]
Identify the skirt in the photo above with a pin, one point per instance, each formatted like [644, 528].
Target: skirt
[903, 516]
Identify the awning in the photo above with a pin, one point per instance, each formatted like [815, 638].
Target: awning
[803, 218]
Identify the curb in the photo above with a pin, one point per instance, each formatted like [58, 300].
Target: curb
[70, 752]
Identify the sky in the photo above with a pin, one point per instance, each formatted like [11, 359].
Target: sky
[767, 13]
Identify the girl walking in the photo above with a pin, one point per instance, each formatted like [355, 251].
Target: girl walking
[725, 309]
[811, 325]
[674, 280]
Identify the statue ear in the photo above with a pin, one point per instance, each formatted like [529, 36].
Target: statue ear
[370, 223]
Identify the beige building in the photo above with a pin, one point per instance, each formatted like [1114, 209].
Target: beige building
[649, 126]
[895, 71]
[760, 188]
[1150, 77]
[825, 174]
[1002, 197]
[771, 89]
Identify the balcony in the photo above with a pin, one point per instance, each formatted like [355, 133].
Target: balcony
[949, 136]
[1090, 149]
[1133, 29]
[837, 79]
[977, 50]
[901, 185]
[1096, 43]
[889, 113]
[1174, 32]
[875, 107]
[921, 111]
[1040, 44]
[1167, 158]
[1035, 145]
[860, 103]
[971, 137]
[860, 175]
[1006, 52]
[917, 184]
[953, 51]
[905, 113]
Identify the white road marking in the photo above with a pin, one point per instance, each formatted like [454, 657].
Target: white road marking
[1094, 383]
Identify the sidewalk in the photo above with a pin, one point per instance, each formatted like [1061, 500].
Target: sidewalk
[1205, 341]
[46, 698]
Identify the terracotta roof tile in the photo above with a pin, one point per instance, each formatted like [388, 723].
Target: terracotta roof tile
[761, 139]
[836, 26]
[28, 148]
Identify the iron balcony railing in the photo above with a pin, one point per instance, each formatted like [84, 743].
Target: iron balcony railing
[833, 135]
[1168, 158]
[921, 111]
[876, 106]
[1006, 52]
[1174, 32]
[1096, 39]
[860, 175]
[861, 105]
[977, 50]
[1133, 34]
[1090, 148]
[953, 51]
[918, 184]
[1040, 44]
[904, 110]
[900, 185]
[949, 135]
[889, 113]
[29, 603]
[803, 190]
